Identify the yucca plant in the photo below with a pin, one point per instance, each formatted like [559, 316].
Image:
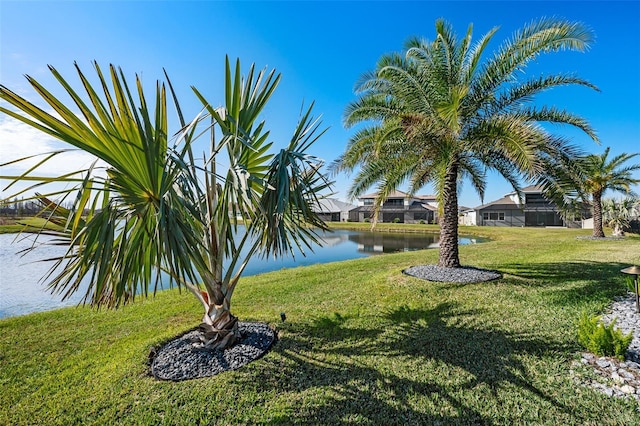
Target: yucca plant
[150, 207]
[618, 214]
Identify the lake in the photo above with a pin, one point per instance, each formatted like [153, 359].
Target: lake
[22, 290]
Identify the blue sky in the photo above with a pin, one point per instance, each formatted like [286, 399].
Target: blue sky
[321, 49]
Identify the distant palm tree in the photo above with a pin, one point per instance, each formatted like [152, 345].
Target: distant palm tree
[438, 114]
[601, 174]
[160, 209]
[618, 214]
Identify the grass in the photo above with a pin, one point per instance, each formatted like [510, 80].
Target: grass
[9, 225]
[362, 344]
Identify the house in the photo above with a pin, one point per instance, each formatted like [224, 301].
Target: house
[398, 207]
[333, 210]
[467, 216]
[533, 210]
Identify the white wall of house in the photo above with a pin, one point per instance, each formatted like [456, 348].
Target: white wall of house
[587, 223]
[469, 218]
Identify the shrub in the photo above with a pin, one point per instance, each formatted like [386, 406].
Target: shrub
[422, 222]
[630, 285]
[396, 220]
[600, 339]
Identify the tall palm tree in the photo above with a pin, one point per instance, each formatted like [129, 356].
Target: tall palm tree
[437, 113]
[161, 211]
[601, 174]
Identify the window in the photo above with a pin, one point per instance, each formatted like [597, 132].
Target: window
[541, 218]
[393, 217]
[493, 216]
[368, 201]
[394, 202]
[535, 199]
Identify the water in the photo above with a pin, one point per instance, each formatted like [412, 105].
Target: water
[22, 290]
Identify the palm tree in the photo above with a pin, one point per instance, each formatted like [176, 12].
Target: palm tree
[436, 113]
[601, 174]
[158, 210]
[618, 214]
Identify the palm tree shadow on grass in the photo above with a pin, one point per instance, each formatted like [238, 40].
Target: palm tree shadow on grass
[337, 365]
[602, 281]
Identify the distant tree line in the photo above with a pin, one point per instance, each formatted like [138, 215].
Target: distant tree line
[22, 208]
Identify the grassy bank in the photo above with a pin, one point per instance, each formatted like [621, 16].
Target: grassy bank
[362, 344]
[9, 225]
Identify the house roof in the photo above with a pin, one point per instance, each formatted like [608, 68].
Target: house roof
[414, 207]
[531, 189]
[399, 194]
[332, 205]
[508, 198]
[504, 200]
[422, 206]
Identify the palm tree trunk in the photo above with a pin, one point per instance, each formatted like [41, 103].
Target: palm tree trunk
[219, 327]
[449, 257]
[597, 215]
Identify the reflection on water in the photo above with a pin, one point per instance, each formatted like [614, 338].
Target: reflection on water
[377, 242]
[22, 292]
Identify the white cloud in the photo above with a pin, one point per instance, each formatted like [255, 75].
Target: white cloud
[19, 140]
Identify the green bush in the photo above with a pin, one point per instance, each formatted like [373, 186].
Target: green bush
[396, 220]
[600, 339]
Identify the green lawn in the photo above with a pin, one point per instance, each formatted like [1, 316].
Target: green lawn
[362, 344]
[26, 224]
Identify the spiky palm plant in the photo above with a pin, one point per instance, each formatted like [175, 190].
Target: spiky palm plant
[160, 210]
[602, 174]
[438, 113]
[617, 214]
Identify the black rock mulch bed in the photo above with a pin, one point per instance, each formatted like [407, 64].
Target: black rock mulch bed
[465, 274]
[184, 358]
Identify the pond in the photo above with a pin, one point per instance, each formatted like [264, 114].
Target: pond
[22, 290]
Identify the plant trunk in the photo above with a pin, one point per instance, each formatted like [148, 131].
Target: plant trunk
[449, 257]
[597, 215]
[618, 231]
[219, 327]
